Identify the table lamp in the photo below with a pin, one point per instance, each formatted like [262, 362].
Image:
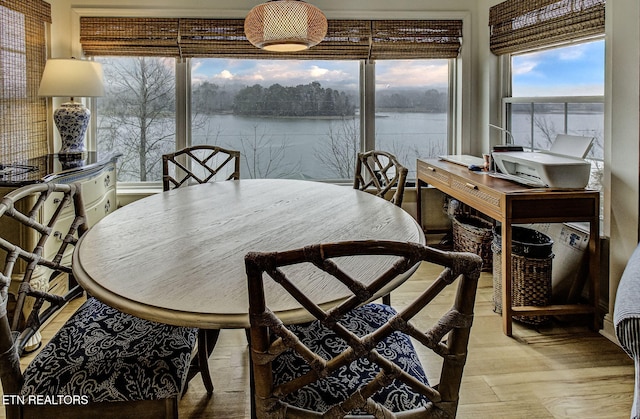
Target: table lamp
[71, 78]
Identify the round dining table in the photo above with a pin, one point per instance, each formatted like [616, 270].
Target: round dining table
[177, 257]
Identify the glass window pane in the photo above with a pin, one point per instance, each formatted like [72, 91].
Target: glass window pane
[288, 118]
[136, 116]
[412, 105]
[542, 122]
[587, 119]
[576, 70]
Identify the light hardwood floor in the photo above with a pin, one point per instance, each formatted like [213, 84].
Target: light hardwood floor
[561, 371]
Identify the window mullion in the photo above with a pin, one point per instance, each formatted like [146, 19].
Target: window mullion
[368, 105]
[183, 103]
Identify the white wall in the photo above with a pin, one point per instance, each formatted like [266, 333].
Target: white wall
[622, 138]
[480, 98]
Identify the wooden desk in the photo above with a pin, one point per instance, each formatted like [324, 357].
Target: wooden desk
[511, 203]
[178, 257]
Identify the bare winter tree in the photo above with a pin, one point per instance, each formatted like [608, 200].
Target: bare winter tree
[138, 114]
[408, 153]
[547, 129]
[264, 157]
[339, 153]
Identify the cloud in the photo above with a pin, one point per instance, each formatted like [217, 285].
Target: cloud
[225, 74]
[524, 67]
[318, 72]
[575, 52]
[412, 74]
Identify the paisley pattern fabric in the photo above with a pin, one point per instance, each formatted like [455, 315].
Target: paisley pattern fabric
[322, 394]
[107, 355]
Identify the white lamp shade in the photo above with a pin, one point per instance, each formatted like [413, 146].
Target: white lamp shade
[71, 78]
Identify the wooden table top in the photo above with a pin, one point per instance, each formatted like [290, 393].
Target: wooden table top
[178, 257]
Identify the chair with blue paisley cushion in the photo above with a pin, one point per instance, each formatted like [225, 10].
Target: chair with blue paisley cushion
[357, 358]
[102, 362]
[380, 172]
[191, 166]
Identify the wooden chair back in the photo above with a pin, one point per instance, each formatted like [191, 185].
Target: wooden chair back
[271, 338]
[381, 171]
[49, 243]
[199, 164]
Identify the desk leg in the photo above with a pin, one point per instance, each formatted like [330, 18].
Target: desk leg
[419, 184]
[507, 312]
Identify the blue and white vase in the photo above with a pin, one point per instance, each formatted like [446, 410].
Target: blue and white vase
[72, 120]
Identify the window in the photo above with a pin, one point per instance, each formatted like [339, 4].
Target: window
[556, 77]
[559, 91]
[288, 118]
[412, 109]
[299, 117]
[137, 115]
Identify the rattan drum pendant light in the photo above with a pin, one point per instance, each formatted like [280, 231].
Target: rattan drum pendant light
[285, 25]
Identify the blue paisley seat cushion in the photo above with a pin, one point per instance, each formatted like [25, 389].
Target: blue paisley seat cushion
[322, 394]
[107, 355]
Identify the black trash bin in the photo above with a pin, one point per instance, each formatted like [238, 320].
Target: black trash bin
[531, 263]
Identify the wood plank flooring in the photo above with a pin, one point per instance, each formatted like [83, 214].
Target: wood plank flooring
[560, 371]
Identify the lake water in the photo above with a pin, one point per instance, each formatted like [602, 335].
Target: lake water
[297, 144]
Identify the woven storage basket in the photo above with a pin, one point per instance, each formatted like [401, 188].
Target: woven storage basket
[530, 276]
[473, 234]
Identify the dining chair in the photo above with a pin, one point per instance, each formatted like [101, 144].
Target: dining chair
[356, 357]
[194, 165]
[380, 171]
[101, 362]
[199, 164]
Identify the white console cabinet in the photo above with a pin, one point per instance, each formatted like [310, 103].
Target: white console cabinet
[97, 176]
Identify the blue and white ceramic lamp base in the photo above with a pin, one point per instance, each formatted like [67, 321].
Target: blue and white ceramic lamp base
[72, 120]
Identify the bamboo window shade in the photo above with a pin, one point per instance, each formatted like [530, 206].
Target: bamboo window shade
[225, 38]
[23, 53]
[518, 26]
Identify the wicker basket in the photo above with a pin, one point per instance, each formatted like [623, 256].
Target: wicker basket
[473, 234]
[530, 276]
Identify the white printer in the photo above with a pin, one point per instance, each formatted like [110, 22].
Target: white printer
[562, 167]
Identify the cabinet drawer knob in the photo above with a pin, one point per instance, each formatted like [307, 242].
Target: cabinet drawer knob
[107, 207]
[432, 169]
[471, 186]
[107, 180]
